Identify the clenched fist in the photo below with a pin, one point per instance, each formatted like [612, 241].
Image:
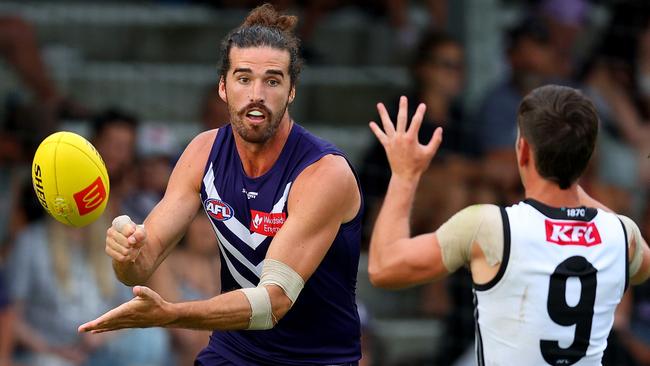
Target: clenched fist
[124, 239]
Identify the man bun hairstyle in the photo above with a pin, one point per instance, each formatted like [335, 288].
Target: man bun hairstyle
[266, 16]
[561, 125]
[264, 27]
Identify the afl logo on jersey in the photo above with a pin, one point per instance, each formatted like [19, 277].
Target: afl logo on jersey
[218, 209]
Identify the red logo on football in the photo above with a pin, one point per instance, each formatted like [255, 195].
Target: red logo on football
[90, 197]
[572, 233]
[267, 223]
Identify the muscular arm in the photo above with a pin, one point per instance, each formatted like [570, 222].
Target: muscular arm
[169, 220]
[324, 196]
[396, 260]
[474, 234]
[312, 224]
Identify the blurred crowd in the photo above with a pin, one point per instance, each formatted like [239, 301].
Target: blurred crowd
[53, 278]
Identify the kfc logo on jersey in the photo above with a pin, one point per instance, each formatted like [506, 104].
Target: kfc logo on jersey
[218, 209]
[266, 223]
[572, 233]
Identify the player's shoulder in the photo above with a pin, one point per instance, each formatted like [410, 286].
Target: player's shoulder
[631, 228]
[331, 168]
[201, 144]
[203, 139]
[475, 217]
[331, 176]
[480, 212]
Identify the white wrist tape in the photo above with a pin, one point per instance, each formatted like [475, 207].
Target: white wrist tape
[120, 222]
[261, 310]
[277, 273]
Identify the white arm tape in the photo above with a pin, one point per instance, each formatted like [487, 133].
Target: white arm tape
[633, 236]
[277, 273]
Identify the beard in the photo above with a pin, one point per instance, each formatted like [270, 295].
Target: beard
[257, 134]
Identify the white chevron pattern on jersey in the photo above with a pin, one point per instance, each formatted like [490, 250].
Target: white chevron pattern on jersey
[225, 244]
[253, 240]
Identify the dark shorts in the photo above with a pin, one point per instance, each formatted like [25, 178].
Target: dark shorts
[208, 357]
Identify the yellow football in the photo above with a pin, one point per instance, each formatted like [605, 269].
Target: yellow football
[70, 179]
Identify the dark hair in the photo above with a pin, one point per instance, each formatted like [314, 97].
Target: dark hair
[431, 41]
[561, 125]
[113, 116]
[530, 27]
[425, 52]
[265, 27]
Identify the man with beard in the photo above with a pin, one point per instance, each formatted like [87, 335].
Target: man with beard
[285, 207]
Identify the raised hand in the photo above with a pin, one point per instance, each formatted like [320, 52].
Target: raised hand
[124, 239]
[146, 309]
[407, 157]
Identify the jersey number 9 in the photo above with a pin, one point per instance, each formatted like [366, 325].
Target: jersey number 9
[581, 315]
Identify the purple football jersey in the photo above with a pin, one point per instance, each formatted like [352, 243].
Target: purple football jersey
[322, 327]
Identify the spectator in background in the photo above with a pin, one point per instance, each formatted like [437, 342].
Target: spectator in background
[397, 12]
[611, 79]
[59, 276]
[34, 121]
[6, 324]
[115, 134]
[191, 272]
[19, 47]
[157, 150]
[565, 20]
[533, 62]
[13, 170]
[438, 75]
[115, 137]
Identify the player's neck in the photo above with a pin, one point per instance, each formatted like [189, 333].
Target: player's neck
[550, 194]
[257, 159]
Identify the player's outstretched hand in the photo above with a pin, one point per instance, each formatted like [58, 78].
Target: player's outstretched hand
[124, 239]
[146, 309]
[407, 157]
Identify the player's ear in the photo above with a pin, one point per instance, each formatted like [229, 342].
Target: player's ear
[222, 89]
[523, 151]
[292, 93]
